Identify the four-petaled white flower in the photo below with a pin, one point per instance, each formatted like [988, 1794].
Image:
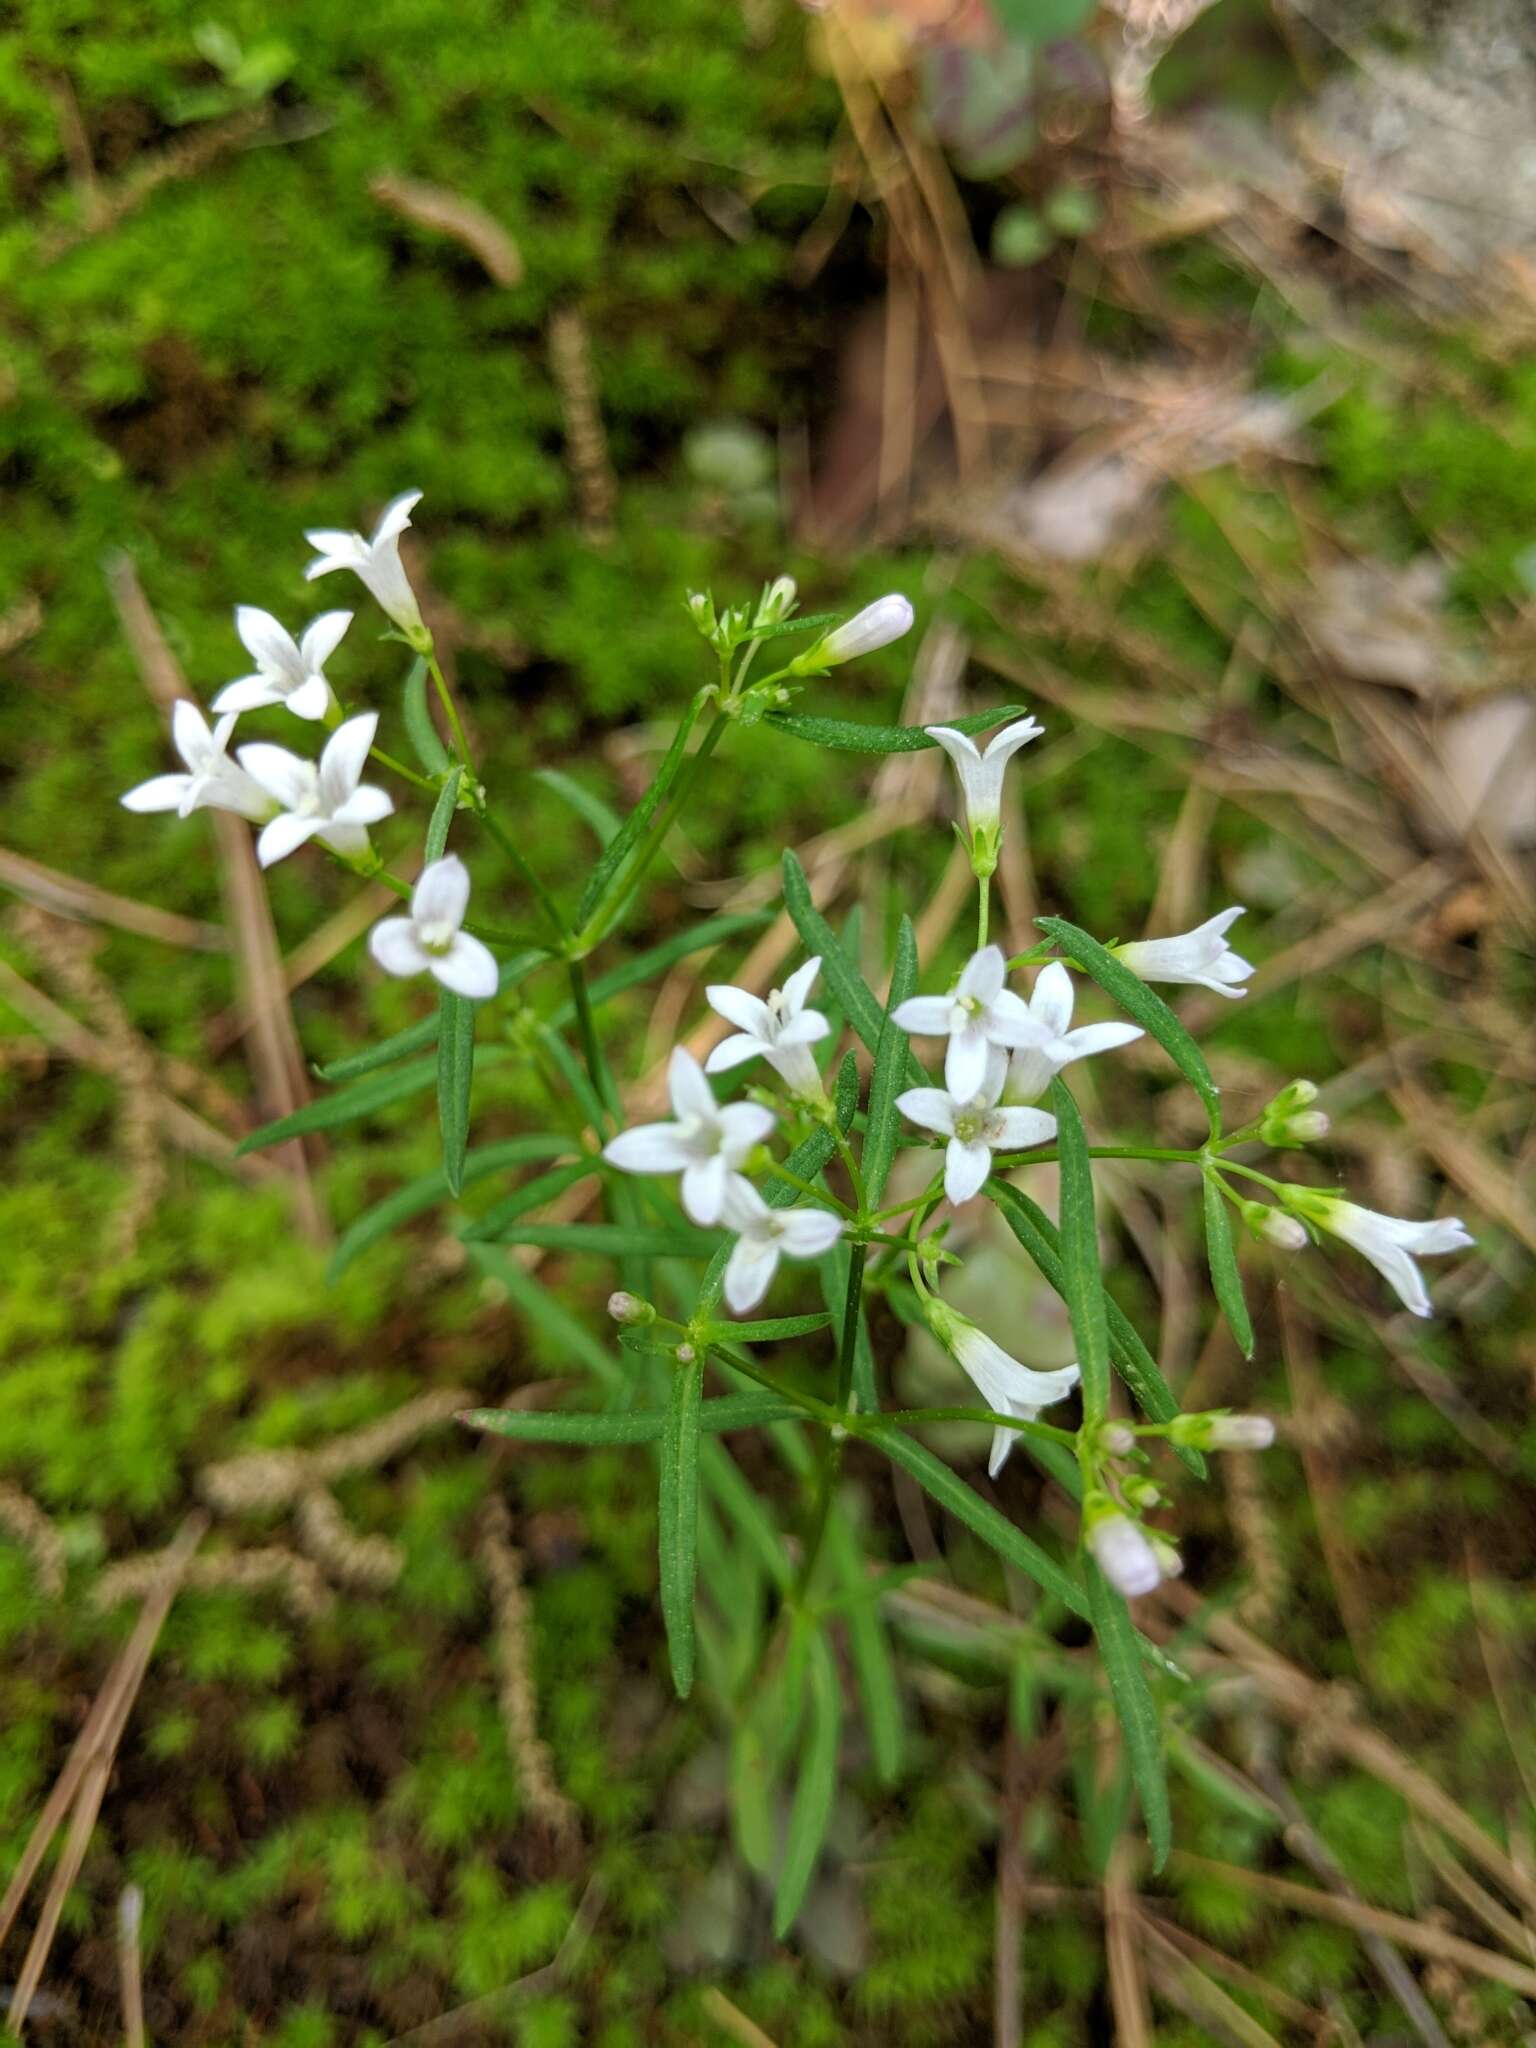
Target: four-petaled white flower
[876, 626]
[977, 1015]
[327, 800]
[975, 1130]
[1007, 1387]
[766, 1235]
[707, 1144]
[981, 783]
[212, 780]
[1051, 1044]
[288, 671]
[781, 1030]
[431, 940]
[377, 562]
[1124, 1555]
[1389, 1242]
[1201, 957]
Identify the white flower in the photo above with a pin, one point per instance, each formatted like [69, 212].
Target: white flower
[1051, 1045]
[976, 1016]
[1123, 1555]
[1201, 957]
[212, 780]
[766, 1235]
[430, 940]
[975, 1130]
[876, 626]
[781, 1030]
[325, 800]
[981, 782]
[706, 1145]
[377, 562]
[1387, 1241]
[1007, 1387]
[287, 671]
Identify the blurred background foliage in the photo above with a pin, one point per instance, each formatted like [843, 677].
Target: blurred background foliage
[1147, 368]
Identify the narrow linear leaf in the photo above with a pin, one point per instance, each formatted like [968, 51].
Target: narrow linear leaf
[1225, 1277]
[1141, 1002]
[630, 833]
[645, 1241]
[432, 1188]
[655, 960]
[994, 1529]
[455, 1077]
[737, 1499]
[442, 817]
[869, 1648]
[423, 1036]
[845, 1093]
[834, 1292]
[348, 1105]
[856, 998]
[1081, 1273]
[890, 1071]
[592, 811]
[1134, 1707]
[574, 1074]
[419, 729]
[634, 1426]
[805, 622]
[815, 1789]
[678, 1518]
[497, 1220]
[773, 1331]
[1130, 1356]
[753, 1781]
[565, 1333]
[852, 737]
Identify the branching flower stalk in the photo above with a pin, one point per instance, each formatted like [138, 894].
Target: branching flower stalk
[779, 1150]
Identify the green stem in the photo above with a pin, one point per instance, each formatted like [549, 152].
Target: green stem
[1252, 1173]
[983, 909]
[832, 1449]
[1044, 1154]
[591, 1051]
[611, 904]
[450, 709]
[399, 768]
[910, 1417]
[807, 1187]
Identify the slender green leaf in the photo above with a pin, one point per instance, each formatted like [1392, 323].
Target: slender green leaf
[845, 1093]
[442, 817]
[1225, 1277]
[884, 1120]
[1134, 1707]
[630, 833]
[419, 729]
[574, 1074]
[805, 622]
[432, 1188]
[859, 1004]
[1080, 1271]
[753, 1781]
[678, 1518]
[633, 1426]
[869, 1648]
[1132, 1360]
[1141, 1002]
[738, 1500]
[655, 960]
[816, 1788]
[591, 809]
[362, 1099]
[994, 1529]
[645, 1241]
[773, 1330]
[497, 1220]
[834, 1292]
[423, 1036]
[850, 737]
[455, 1077]
[564, 1331]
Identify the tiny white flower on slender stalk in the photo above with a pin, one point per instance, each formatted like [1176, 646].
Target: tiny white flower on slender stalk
[981, 783]
[430, 940]
[212, 781]
[1123, 1554]
[1051, 1044]
[377, 562]
[781, 1030]
[1389, 1242]
[288, 671]
[1007, 1387]
[707, 1144]
[1201, 958]
[876, 626]
[766, 1235]
[976, 1016]
[975, 1130]
[325, 800]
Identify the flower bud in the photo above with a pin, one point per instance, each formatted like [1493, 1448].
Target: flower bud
[630, 1309]
[1143, 1493]
[1310, 1125]
[1240, 1433]
[876, 626]
[1286, 1231]
[1123, 1554]
[1118, 1439]
[776, 603]
[1169, 1562]
[701, 609]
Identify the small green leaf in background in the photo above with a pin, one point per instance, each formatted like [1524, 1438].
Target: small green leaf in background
[773, 1331]
[854, 995]
[848, 737]
[630, 833]
[591, 809]
[423, 1036]
[642, 1240]
[816, 1787]
[419, 729]
[869, 1649]
[1081, 1273]
[442, 818]
[678, 1517]
[430, 1188]
[1141, 1002]
[379, 1091]
[1225, 1277]
[455, 1076]
[1134, 1707]
[628, 1426]
[890, 1071]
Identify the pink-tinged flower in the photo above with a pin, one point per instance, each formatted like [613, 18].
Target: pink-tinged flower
[707, 1144]
[781, 1030]
[766, 1236]
[1050, 1045]
[1123, 1555]
[325, 800]
[211, 782]
[288, 671]
[377, 562]
[1201, 957]
[978, 1015]
[431, 941]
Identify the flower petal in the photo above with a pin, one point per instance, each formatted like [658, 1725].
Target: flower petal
[1092, 1038]
[806, 1233]
[747, 1012]
[924, 1016]
[966, 1166]
[932, 1108]
[734, 1051]
[649, 1148]
[394, 943]
[160, 793]
[691, 1094]
[395, 518]
[703, 1188]
[247, 693]
[1015, 1130]
[965, 1063]
[284, 835]
[468, 968]
[341, 765]
[189, 733]
[807, 1027]
[312, 699]
[749, 1272]
[743, 1125]
[284, 776]
[365, 806]
[269, 644]
[1002, 747]
[441, 895]
[1051, 1002]
[959, 746]
[983, 975]
[322, 637]
[799, 985]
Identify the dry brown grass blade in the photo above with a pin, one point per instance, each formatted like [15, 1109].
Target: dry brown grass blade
[1466, 1890]
[276, 1060]
[187, 157]
[1215, 1963]
[730, 2019]
[447, 213]
[1186, 1987]
[66, 896]
[1307, 1393]
[1127, 1985]
[83, 1781]
[473, 2021]
[1008, 1917]
[1464, 1161]
[1362, 1919]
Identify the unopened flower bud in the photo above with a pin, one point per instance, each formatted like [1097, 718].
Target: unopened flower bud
[1286, 1231]
[701, 609]
[1143, 1493]
[685, 1354]
[1308, 1126]
[1169, 1562]
[776, 603]
[1123, 1554]
[1240, 1433]
[876, 626]
[1118, 1438]
[630, 1309]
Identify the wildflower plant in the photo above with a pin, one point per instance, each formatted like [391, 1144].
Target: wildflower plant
[775, 1163]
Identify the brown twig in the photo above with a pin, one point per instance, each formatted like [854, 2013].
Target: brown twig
[68, 896]
[570, 361]
[517, 1692]
[447, 213]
